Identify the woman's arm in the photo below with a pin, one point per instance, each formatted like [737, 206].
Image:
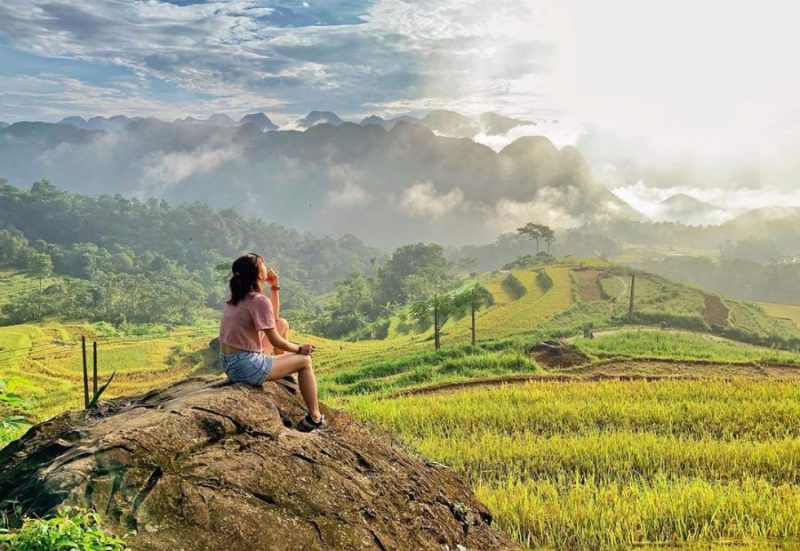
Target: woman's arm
[279, 342]
[274, 294]
[274, 297]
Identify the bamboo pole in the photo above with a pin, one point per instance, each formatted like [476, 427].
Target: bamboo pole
[94, 368]
[85, 375]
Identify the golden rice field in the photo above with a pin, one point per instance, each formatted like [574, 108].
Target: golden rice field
[43, 362]
[783, 311]
[605, 465]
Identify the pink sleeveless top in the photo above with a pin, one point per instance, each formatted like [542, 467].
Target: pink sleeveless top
[242, 325]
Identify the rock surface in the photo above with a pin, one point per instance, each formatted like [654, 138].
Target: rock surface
[207, 465]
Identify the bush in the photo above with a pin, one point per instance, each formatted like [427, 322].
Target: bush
[514, 286]
[72, 529]
[544, 281]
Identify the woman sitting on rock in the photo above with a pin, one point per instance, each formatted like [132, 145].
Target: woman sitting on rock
[249, 328]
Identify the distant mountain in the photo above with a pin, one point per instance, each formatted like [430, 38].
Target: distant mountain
[390, 187]
[388, 124]
[221, 119]
[374, 119]
[494, 124]
[259, 120]
[111, 124]
[44, 134]
[319, 117]
[450, 123]
[686, 209]
[780, 225]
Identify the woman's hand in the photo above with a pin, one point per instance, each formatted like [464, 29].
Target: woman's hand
[306, 349]
[272, 277]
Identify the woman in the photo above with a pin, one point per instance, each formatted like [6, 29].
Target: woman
[248, 324]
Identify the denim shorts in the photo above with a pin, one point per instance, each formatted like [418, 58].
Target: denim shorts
[246, 367]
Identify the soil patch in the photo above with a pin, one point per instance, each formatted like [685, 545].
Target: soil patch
[716, 313]
[557, 354]
[589, 289]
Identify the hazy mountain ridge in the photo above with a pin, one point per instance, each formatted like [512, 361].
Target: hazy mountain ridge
[329, 179]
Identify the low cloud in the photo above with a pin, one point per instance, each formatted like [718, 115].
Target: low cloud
[349, 195]
[421, 199]
[164, 171]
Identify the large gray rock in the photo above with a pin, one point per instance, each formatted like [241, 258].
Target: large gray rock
[206, 465]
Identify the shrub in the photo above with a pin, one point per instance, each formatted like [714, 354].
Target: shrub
[72, 529]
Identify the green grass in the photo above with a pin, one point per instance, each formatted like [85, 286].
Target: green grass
[14, 283]
[675, 345]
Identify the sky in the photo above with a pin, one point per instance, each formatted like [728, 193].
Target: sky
[695, 82]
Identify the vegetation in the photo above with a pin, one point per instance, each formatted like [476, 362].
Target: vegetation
[71, 529]
[590, 465]
[668, 345]
[119, 259]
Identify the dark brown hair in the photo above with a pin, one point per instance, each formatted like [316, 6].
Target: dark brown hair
[245, 277]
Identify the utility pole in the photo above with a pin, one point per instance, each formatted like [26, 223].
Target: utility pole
[436, 323]
[85, 375]
[472, 311]
[630, 305]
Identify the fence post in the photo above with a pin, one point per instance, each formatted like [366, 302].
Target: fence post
[630, 305]
[85, 375]
[94, 368]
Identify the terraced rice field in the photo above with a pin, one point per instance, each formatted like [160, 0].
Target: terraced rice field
[784, 312]
[44, 362]
[611, 464]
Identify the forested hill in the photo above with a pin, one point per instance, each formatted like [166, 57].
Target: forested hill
[109, 242]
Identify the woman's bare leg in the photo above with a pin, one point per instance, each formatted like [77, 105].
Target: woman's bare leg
[287, 364]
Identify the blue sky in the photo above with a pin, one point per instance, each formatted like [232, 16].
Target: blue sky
[677, 78]
[179, 58]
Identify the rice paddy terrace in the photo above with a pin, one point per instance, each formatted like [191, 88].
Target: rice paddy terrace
[646, 437]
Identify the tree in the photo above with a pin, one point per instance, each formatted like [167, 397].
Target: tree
[471, 300]
[426, 261]
[538, 232]
[549, 237]
[441, 307]
[40, 265]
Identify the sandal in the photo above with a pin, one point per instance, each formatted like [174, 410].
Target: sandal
[308, 424]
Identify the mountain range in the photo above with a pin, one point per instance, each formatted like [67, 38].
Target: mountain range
[389, 183]
[443, 122]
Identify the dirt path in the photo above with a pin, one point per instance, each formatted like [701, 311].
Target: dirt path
[716, 313]
[624, 370]
[589, 289]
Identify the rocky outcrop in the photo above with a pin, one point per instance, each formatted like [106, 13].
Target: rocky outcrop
[208, 465]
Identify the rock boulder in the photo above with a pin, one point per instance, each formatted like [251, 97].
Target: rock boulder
[207, 465]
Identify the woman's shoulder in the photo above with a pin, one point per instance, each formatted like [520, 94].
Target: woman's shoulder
[256, 297]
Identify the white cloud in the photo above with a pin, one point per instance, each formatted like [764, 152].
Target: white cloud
[421, 199]
[349, 195]
[729, 203]
[163, 171]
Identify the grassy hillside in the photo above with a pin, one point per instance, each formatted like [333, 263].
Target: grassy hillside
[563, 460]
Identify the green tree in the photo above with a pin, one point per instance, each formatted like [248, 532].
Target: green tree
[471, 300]
[532, 231]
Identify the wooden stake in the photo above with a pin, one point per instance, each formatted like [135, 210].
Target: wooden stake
[436, 324]
[472, 308]
[94, 368]
[630, 305]
[85, 375]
